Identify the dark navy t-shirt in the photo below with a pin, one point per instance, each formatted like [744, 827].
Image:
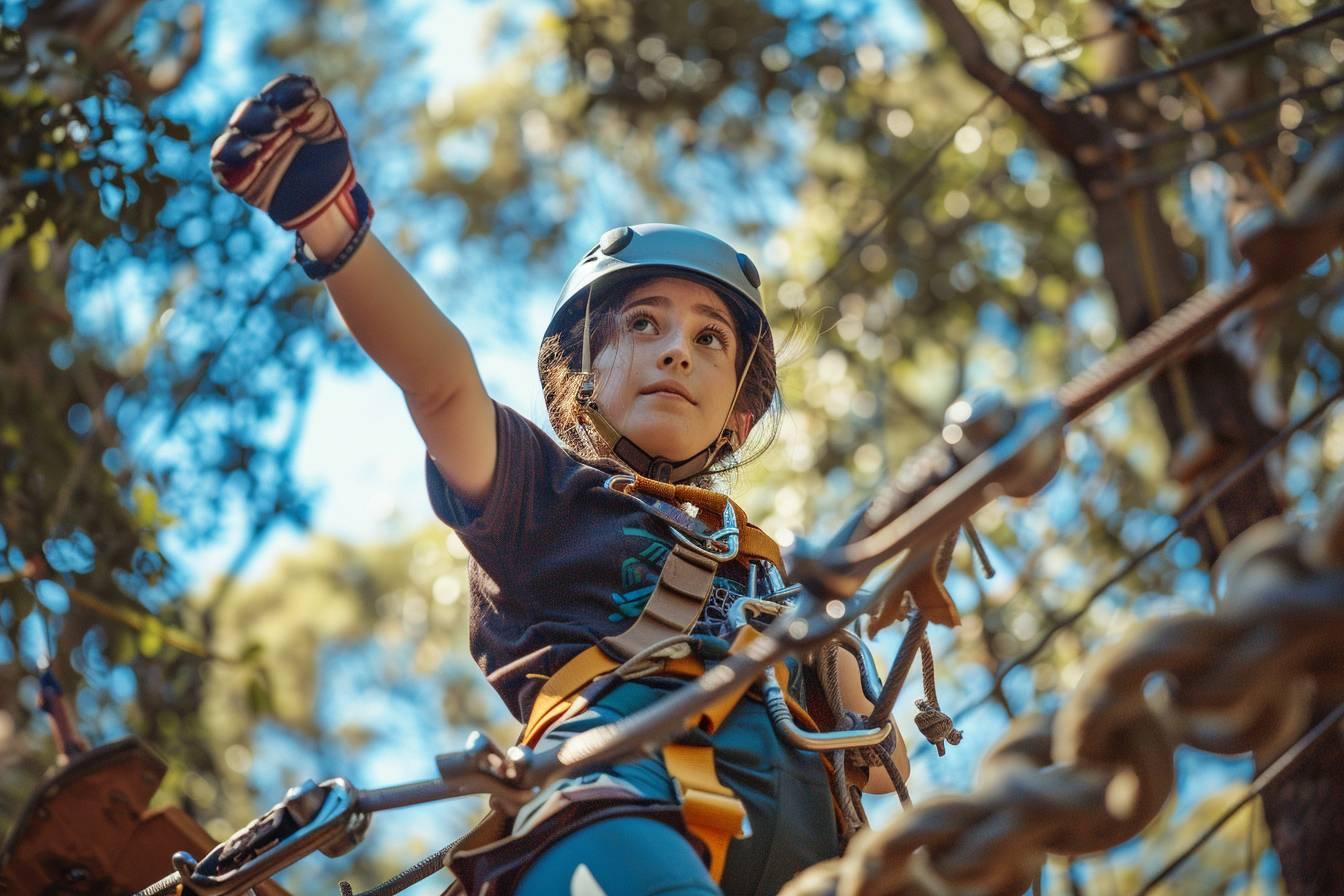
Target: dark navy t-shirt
[558, 560]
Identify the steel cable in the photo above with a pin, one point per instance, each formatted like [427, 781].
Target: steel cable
[1285, 763]
[1140, 142]
[1151, 177]
[1218, 54]
[1187, 518]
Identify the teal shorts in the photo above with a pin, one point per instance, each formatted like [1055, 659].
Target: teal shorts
[785, 791]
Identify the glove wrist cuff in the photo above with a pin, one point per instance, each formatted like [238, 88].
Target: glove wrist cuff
[318, 269]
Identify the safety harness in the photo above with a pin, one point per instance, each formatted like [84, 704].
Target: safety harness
[656, 641]
[710, 810]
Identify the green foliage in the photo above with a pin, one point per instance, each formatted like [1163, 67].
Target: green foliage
[141, 375]
[63, 181]
[800, 134]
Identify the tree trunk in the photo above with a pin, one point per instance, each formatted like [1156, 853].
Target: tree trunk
[1204, 403]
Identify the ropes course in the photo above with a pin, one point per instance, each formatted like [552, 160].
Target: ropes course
[1097, 772]
[1188, 518]
[1084, 779]
[1092, 777]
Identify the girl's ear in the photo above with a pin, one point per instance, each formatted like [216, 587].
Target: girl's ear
[742, 422]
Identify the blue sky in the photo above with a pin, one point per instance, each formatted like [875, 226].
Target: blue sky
[359, 449]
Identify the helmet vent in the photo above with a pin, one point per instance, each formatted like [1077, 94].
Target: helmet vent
[615, 240]
[753, 276]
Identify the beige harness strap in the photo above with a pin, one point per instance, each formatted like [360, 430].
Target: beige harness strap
[673, 607]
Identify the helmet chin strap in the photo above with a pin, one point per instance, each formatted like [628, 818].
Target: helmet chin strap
[636, 458]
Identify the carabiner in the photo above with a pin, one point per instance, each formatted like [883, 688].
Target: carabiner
[720, 546]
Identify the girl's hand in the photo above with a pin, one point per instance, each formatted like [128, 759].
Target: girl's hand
[286, 152]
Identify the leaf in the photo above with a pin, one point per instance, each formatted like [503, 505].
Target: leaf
[145, 505]
[260, 698]
[123, 647]
[12, 232]
[39, 245]
[150, 641]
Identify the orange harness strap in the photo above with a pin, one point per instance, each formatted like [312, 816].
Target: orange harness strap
[559, 697]
[754, 540]
[712, 811]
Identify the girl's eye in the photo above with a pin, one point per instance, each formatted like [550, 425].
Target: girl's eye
[714, 337]
[641, 323]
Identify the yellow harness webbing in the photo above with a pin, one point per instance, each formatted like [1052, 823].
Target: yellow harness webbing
[712, 812]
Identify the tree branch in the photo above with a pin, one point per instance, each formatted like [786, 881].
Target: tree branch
[1063, 130]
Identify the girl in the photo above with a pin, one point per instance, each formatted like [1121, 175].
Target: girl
[600, 572]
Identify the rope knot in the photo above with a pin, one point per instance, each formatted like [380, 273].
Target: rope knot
[936, 725]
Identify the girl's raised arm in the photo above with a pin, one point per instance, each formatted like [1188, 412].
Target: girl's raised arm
[286, 153]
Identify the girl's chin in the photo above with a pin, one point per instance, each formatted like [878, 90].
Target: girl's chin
[670, 441]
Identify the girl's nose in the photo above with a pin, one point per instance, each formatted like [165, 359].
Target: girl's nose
[676, 354]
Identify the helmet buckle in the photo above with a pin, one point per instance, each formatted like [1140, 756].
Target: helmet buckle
[586, 391]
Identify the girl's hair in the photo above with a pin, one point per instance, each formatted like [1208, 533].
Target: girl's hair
[560, 383]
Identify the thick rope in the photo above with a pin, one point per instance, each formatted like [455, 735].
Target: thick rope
[1242, 679]
[829, 670]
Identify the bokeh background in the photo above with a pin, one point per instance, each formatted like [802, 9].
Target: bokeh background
[212, 520]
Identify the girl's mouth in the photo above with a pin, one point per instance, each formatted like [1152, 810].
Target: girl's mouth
[668, 388]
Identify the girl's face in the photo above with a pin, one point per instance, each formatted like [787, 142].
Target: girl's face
[666, 377]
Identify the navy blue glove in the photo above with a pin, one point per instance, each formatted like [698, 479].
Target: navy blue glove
[286, 152]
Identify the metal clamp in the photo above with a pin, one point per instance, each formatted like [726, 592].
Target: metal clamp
[719, 546]
[311, 817]
[817, 741]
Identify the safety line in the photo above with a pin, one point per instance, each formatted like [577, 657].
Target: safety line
[906, 186]
[1285, 763]
[1170, 57]
[1070, 44]
[1139, 143]
[1187, 518]
[1226, 51]
[1150, 178]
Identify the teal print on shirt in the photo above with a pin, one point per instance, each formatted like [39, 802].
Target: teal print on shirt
[639, 575]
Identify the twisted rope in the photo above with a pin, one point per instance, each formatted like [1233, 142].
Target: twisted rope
[1243, 679]
[412, 875]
